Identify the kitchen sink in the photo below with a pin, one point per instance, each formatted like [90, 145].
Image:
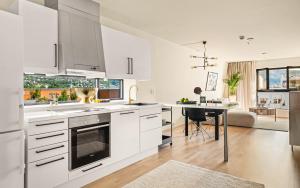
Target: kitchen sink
[141, 104]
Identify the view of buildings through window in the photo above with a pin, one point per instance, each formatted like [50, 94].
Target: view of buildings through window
[41, 89]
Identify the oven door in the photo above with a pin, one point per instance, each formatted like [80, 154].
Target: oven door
[89, 144]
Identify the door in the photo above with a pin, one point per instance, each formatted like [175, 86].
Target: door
[117, 53]
[125, 134]
[12, 160]
[11, 85]
[40, 38]
[141, 59]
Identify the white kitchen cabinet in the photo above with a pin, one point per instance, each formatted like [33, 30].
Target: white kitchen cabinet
[12, 160]
[126, 56]
[150, 130]
[125, 134]
[11, 85]
[48, 173]
[40, 38]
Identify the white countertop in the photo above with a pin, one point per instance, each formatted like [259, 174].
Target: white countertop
[72, 111]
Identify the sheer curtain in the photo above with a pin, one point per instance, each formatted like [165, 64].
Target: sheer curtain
[247, 87]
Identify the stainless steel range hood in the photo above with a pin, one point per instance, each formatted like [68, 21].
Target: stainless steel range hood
[80, 47]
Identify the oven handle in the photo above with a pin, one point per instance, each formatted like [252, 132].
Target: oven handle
[85, 170]
[92, 128]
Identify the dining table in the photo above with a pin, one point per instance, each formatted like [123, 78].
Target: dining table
[218, 108]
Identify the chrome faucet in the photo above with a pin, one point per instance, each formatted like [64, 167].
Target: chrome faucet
[131, 87]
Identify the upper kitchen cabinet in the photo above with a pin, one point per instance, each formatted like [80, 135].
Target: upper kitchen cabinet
[40, 38]
[126, 56]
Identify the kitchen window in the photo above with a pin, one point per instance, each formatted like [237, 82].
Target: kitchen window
[41, 89]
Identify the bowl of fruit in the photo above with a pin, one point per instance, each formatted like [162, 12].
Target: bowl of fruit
[186, 101]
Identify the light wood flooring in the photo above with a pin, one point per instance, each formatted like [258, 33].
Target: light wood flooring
[262, 156]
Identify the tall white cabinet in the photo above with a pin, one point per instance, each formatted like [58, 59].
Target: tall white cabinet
[11, 108]
[40, 38]
[126, 56]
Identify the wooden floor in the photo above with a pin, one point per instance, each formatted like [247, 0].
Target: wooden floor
[258, 155]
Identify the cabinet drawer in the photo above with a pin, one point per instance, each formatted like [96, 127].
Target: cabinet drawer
[47, 139]
[151, 139]
[150, 110]
[47, 126]
[47, 151]
[90, 168]
[150, 122]
[48, 173]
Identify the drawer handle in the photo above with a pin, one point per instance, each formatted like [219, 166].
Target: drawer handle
[151, 117]
[125, 113]
[41, 151]
[50, 136]
[42, 164]
[85, 170]
[39, 125]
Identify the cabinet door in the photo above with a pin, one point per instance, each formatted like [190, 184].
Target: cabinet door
[11, 72]
[40, 38]
[48, 173]
[12, 160]
[124, 134]
[117, 53]
[141, 59]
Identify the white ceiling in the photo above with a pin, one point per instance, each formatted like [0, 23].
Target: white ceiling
[275, 24]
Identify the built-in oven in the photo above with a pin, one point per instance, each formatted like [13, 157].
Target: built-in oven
[89, 139]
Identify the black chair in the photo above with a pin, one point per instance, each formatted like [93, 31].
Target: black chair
[197, 115]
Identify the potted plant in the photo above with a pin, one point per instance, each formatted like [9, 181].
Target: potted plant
[233, 83]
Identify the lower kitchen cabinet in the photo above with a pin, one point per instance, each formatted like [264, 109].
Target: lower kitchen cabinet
[125, 134]
[48, 173]
[151, 130]
[151, 139]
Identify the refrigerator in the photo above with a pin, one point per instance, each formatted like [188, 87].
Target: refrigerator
[294, 122]
[11, 101]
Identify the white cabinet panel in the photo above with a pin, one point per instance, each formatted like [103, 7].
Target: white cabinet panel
[126, 56]
[47, 126]
[47, 139]
[40, 38]
[151, 139]
[150, 122]
[12, 160]
[49, 172]
[11, 71]
[47, 151]
[124, 134]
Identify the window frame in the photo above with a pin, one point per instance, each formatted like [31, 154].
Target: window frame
[268, 79]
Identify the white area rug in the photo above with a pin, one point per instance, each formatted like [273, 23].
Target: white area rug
[174, 174]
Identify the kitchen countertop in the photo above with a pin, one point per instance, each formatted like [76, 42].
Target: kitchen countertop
[73, 111]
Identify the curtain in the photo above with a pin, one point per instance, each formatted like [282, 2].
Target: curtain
[246, 89]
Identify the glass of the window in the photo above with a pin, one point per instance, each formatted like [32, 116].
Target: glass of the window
[294, 78]
[262, 79]
[278, 79]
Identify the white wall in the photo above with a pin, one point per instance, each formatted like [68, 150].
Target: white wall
[272, 63]
[172, 77]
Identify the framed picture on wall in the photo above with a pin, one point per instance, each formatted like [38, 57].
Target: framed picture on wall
[211, 82]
